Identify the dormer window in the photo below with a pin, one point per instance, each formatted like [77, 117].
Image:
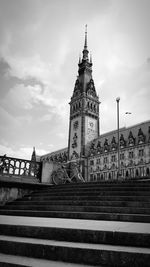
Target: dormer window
[131, 139]
[106, 146]
[113, 144]
[122, 141]
[141, 137]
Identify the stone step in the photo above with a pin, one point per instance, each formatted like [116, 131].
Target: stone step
[5, 263]
[94, 193]
[113, 203]
[115, 183]
[101, 235]
[86, 198]
[79, 215]
[20, 261]
[83, 253]
[105, 209]
[91, 189]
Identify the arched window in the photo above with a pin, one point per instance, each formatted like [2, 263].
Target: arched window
[127, 174]
[147, 172]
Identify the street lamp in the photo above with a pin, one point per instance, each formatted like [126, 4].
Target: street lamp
[118, 99]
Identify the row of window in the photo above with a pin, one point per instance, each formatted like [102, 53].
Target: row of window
[92, 106]
[76, 106]
[130, 173]
[114, 157]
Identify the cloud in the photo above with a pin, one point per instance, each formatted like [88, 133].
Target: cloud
[39, 44]
[132, 85]
[27, 67]
[22, 152]
[22, 97]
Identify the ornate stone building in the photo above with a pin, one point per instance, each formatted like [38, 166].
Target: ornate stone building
[97, 154]
[134, 153]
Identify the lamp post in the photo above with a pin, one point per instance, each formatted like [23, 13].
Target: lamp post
[117, 100]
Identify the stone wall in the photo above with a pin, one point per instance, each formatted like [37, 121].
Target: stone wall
[13, 188]
[8, 194]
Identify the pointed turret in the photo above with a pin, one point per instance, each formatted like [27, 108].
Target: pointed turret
[33, 157]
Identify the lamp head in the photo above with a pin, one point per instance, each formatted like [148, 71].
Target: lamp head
[118, 99]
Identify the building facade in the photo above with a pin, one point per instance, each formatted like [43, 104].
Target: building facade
[134, 154]
[98, 154]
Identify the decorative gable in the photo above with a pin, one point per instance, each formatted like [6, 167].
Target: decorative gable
[131, 139]
[141, 137]
[91, 88]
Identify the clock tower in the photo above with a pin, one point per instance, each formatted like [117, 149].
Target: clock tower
[84, 108]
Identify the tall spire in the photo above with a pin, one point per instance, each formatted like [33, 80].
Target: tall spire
[85, 44]
[33, 157]
[85, 50]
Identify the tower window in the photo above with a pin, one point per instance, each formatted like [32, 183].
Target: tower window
[98, 161]
[113, 158]
[122, 156]
[141, 152]
[91, 162]
[131, 154]
[105, 160]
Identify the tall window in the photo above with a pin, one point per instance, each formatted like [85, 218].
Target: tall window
[122, 156]
[141, 152]
[113, 158]
[91, 162]
[131, 154]
[98, 161]
[105, 160]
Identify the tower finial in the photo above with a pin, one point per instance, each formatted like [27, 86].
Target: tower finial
[85, 44]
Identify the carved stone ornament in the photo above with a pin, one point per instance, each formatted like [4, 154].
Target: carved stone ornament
[106, 146]
[141, 137]
[122, 141]
[74, 144]
[99, 148]
[131, 139]
[77, 88]
[91, 88]
[75, 125]
[65, 156]
[74, 155]
[113, 144]
[149, 134]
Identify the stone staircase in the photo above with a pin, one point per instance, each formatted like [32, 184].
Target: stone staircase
[103, 224]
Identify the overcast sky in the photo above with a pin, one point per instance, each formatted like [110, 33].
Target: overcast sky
[40, 43]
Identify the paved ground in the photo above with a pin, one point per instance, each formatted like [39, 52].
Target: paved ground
[77, 224]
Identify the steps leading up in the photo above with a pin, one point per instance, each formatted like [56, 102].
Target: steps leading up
[20, 261]
[93, 243]
[123, 201]
[94, 224]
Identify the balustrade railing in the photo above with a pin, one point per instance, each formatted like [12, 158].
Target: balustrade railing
[20, 167]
